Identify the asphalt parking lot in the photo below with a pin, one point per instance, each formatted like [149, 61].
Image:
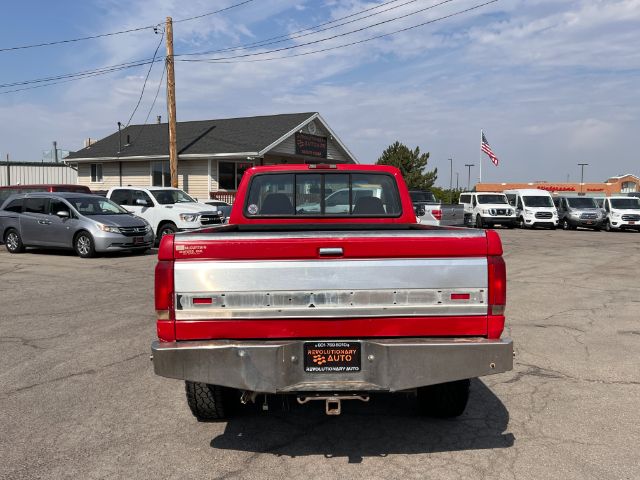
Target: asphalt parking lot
[78, 398]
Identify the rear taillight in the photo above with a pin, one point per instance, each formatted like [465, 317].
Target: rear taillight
[437, 214]
[497, 285]
[164, 290]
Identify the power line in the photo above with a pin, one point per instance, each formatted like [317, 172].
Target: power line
[95, 74]
[155, 54]
[293, 35]
[229, 59]
[235, 5]
[338, 35]
[80, 39]
[119, 32]
[106, 69]
[146, 120]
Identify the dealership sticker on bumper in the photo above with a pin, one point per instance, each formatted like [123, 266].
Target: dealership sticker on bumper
[332, 357]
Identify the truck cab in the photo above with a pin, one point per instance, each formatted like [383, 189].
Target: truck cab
[534, 208]
[623, 213]
[487, 209]
[298, 298]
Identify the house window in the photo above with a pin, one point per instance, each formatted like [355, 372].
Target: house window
[160, 174]
[628, 187]
[96, 173]
[230, 174]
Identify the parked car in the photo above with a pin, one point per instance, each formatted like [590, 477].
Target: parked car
[326, 306]
[223, 207]
[6, 192]
[487, 209]
[533, 208]
[167, 209]
[574, 212]
[89, 224]
[623, 213]
[430, 211]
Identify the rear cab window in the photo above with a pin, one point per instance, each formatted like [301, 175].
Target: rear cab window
[323, 195]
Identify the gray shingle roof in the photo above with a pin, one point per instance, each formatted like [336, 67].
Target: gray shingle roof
[207, 137]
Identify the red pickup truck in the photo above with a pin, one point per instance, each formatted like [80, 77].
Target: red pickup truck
[323, 287]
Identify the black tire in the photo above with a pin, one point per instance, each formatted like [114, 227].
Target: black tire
[211, 402]
[13, 241]
[84, 245]
[566, 225]
[521, 223]
[607, 226]
[445, 400]
[479, 222]
[165, 229]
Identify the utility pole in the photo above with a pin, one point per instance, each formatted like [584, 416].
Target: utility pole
[171, 104]
[457, 181]
[55, 152]
[469, 165]
[451, 180]
[582, 165]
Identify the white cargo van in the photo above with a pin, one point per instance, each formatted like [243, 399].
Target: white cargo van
[622, 213]
[487, 209]
[534, 208]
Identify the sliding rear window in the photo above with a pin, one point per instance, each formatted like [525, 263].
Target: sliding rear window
[323, 195]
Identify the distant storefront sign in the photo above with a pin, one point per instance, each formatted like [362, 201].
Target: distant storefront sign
[311, 145]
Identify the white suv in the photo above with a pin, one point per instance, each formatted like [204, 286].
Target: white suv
[168, 210]
[486, 209]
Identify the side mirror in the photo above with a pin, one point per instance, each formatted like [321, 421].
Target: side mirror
[142, 202]
[196, 199]
[63, 214]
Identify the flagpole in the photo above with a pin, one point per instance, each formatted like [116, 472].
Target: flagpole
[480, 160]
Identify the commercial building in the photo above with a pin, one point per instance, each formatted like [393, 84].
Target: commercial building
[621, 184]
[27, 173]
[212, 154]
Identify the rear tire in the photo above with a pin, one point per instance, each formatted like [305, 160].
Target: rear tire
[84, 245]
[13, 241]
[210, 402]
[445, 400]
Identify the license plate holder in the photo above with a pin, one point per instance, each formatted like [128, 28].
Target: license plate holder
[632, 223]
[332, 357]
[138, 240]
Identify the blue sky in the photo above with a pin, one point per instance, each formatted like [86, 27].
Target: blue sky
[551, 82]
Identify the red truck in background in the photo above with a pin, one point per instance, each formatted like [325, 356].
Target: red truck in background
[323, 287]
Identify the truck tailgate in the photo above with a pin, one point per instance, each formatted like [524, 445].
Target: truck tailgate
[401, 283]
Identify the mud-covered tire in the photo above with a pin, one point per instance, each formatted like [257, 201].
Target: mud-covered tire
[13, 241]
[210, 402]
[445, 400]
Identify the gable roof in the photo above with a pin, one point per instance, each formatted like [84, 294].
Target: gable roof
[222, 137]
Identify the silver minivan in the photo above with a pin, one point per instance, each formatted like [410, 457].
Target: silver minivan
[85, 223]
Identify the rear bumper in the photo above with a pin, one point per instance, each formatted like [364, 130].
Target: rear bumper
[277, 366]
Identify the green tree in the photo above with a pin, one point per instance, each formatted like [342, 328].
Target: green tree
[411, 163]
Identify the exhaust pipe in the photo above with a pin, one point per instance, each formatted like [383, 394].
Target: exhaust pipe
[332, 403]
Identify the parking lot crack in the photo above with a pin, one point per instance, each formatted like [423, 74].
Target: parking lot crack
[89, 371]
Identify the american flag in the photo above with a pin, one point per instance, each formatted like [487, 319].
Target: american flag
[484, 146]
